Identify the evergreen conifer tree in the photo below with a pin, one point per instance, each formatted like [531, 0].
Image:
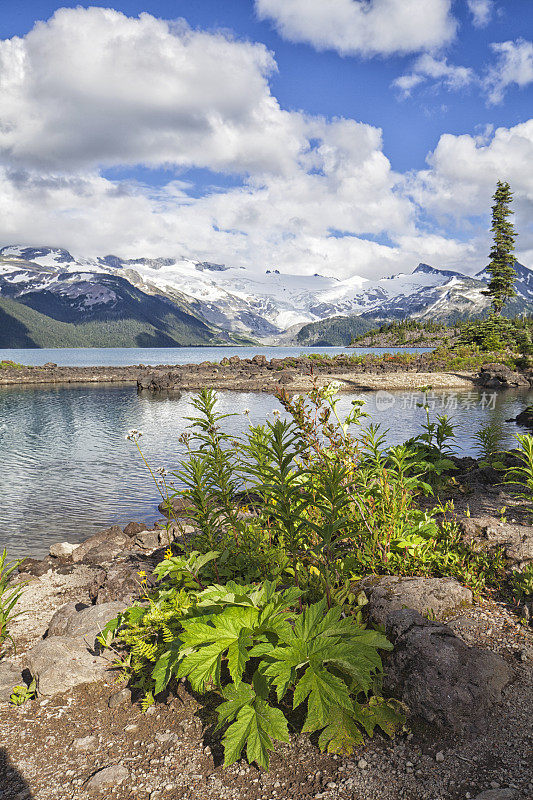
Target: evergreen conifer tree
[501, 284]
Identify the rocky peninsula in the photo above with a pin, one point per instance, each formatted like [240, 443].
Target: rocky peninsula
[295, 374]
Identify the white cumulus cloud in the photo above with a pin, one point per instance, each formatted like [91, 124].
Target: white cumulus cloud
[462, 173]
[514, 65]
[427, 67]
[363, 27]
[93, 86]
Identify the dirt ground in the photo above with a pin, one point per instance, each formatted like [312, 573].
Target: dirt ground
[54, 746]
[50, 748]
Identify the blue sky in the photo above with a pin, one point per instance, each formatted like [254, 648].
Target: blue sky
[438, 97]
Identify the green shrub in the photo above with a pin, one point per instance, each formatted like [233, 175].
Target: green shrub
[262, 606]
[522, 584]
[489, 440]
[254, 648]
[7, 364]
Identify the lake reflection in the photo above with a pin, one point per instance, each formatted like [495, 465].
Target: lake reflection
[68, 471]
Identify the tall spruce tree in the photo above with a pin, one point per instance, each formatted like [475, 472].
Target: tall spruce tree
[501, 284]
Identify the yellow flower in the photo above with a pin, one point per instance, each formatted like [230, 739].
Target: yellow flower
[168, 554]
[142, 574]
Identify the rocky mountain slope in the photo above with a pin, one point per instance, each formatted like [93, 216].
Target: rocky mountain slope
[53, 302]
[181, 301]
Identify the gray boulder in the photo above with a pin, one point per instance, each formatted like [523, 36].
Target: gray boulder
[160, 381]
[149, 540]
[62, 549]
[286, 376]
[525, 417]
[121, 581]
[87, 623]
[179, 506]
[429, 596]
[38, 567]
[61, 619]
[132, 528]
[10, 676]
[61, 663]
[491, 534]
[102, 547]
[441, 679]
[499, 376]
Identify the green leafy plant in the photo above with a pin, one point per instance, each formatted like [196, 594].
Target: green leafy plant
[21, 694]
[8, 598]
[489, 443]
[522, 583]
[7, 364]
[523, 473]
[256, 650]
[311, 503]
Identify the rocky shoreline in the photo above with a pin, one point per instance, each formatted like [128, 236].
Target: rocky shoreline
[258, 374]
[463, 665]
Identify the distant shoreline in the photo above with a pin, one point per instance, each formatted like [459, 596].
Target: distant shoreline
[250, 375]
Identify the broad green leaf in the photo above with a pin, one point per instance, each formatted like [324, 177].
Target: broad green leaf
[236, 737]
[371, 638]
[203, 559]
[309, 619]
[386, 714]
[197, 633]
[238, 655]
[255, 724]
[202, 667]
[236, 698]
[261, 684]
[341, 735]
[323, 692]
[267, 723]
[166, 667]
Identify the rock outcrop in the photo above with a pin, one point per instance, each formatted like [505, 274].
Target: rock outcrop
[435, 597]
[68, 656]
[441, 679]
[499, 376]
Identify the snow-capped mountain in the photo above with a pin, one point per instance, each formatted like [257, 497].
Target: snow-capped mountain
[234, 299]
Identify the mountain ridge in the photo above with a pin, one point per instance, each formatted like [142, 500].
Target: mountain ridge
[205, 302]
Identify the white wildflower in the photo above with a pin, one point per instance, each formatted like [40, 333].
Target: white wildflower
[331, 389]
